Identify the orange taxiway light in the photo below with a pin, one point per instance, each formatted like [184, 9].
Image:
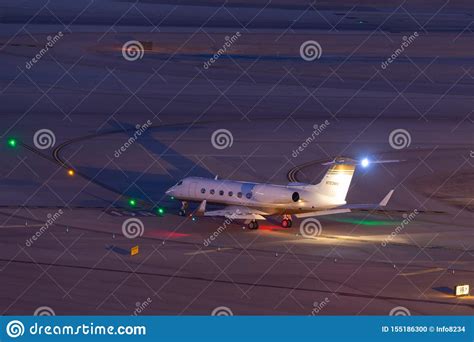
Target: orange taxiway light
[71, 172]
[134, 251]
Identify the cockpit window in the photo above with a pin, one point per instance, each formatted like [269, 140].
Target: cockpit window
[180, 182]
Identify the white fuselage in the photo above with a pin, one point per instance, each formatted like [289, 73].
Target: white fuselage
[273, 199]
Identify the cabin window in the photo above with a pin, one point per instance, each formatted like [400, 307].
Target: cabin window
[230, 193]
[248, 195]
[212, 191]
[239, 195]
[203, 191]
[221, 192]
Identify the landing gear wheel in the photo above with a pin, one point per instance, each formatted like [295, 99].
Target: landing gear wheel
[253, 225]
[182, 212]
[286, 223]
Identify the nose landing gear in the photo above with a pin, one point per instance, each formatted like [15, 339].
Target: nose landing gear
[184, 206]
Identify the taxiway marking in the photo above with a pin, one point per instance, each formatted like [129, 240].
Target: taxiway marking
[437, 269]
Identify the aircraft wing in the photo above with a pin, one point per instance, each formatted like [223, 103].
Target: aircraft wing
[238, 213]
[377, 206]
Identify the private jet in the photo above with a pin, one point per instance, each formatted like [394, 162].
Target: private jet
[253, 202]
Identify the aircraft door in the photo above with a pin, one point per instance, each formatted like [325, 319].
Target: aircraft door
[192, 189]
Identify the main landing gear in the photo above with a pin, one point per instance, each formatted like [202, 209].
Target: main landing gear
[286, 222]
[253, 224]
[184, 206]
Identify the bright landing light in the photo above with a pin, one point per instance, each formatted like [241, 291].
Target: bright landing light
[364, 162]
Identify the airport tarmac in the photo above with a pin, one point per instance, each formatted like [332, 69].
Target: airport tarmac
[407, 258]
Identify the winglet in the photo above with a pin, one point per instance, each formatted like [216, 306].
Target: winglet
[387, 197]
[202, 208]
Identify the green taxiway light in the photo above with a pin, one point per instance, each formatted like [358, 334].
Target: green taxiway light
[161, 211]
[363, 222]
[132, 202]
[12, 142]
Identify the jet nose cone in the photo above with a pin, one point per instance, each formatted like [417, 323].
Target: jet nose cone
[169, 191]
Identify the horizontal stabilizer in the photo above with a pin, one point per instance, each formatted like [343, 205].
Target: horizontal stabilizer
[380, 205]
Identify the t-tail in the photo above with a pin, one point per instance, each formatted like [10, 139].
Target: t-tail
[335, 183]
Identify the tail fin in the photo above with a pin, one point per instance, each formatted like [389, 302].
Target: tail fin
[337, 180]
